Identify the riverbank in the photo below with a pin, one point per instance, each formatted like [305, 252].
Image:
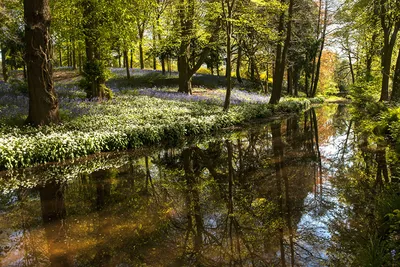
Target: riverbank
[132, 119]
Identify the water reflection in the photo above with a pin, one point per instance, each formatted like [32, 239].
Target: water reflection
[261, 197]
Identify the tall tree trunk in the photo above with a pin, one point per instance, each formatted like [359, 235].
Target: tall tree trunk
[73, 55]
[370, 56]
[3, 63]
[60, 52]
[80, 59]
[228, 17]
[281, 54]
[141, 55]
[94, 66]
[128, 75]
[68, 55]
[131, 58]
[119, 58]
[353, 78]
[154, 47]
[390, 30]
[43, 103]
[290, 80]
[396, 81]
[239, 62]
[321, 49]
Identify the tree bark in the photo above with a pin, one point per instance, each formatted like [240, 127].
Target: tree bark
[3, 63]
[141, 55]
[186, 14]
[128, 75]
[43, 103]
[230, 6]
[239, 63]
[94, 67]
[396, 81]
[154, 47]
[390, 30]
[281, 53]
[318, 67]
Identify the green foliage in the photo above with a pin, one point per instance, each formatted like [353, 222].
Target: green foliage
[365, 92]
[125, 122]
[95, 73]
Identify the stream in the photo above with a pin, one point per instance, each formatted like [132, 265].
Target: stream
[272, 194]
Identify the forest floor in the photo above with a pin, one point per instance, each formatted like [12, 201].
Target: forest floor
[145, 110]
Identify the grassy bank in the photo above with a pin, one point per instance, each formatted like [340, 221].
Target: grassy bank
[132, 119]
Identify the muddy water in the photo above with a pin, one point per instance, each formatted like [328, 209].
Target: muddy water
[264, 196]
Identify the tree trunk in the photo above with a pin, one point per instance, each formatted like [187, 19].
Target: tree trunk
[230, 6]
[154, 47]
[61, 63]
[290, 80]
[370, 56]
[318, 67]
[353, 79]
[128, 75]
[94, 68]
[396, 81]
[43, 103]
[185, 80]
[239, 63]
[141, 56]
[3, 63]
[390, 30]
[119, 58]
[131, 58]
[281, 54]
[73, 55]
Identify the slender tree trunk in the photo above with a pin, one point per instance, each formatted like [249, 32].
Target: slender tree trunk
[61, 63]
[43, 103]
[4, 63]
[353, 79]
[154, 47]
[281, 54]
[396, 81]
[119, 58]
[390, 31]
[267, 79]
[141, 55]
[73, 55]
[230, 6]
[239, 62]
[290, 80]
[131, 58]
[68, 56]
[80, 59]
[128, 75]
[252, 69]
[318, 67]
[370, 55]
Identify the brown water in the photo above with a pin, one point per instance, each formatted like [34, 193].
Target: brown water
[259, 197]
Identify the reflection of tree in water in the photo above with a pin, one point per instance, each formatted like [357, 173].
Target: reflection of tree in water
[53, 215]
[228, 202]
[364, 233]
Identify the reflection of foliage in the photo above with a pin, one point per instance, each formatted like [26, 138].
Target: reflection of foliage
[209, 204]
[364, 234]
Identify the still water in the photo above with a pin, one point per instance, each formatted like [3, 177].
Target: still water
[269, 195]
